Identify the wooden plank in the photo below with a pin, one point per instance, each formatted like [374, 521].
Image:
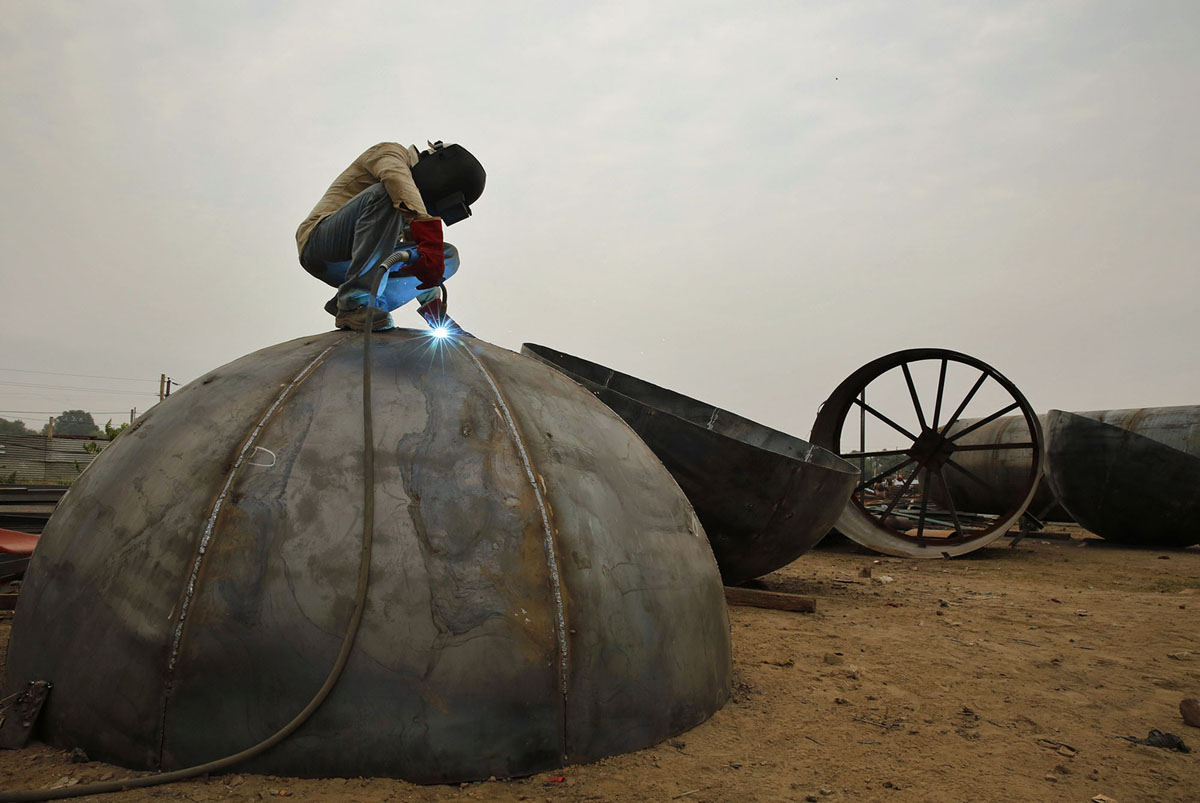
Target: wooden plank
[776, 600]
[8, 602]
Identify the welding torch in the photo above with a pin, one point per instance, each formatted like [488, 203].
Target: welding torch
[433, 311]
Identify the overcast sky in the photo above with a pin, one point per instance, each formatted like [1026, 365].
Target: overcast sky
[742, 201]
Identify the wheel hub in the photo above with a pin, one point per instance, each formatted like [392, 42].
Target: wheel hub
[931, 450]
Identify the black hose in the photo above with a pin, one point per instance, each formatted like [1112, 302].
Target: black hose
[360, 597]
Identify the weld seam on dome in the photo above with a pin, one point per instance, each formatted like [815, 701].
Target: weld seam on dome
[551, 557]
[206, 537]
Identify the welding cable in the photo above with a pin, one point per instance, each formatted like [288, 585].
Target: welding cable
[360, 599]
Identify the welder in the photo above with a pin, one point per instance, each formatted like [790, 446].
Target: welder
[391, 198]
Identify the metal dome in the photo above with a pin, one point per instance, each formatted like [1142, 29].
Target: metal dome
[541, 591]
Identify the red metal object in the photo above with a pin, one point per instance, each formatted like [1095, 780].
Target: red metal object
[15, 543]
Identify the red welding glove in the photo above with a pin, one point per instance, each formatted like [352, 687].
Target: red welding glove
[430, 266]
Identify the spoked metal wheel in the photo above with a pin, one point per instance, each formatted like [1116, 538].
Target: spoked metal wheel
[907, 421]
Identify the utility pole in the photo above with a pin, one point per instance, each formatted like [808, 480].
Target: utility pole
[132, 413]
[50, 428]
[162, 386]
[862, 430]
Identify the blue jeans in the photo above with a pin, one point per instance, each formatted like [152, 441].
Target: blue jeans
[344, 247]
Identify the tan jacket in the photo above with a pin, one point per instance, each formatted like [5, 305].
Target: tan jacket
[387, 162]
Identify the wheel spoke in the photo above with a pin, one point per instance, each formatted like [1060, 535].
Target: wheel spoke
[970, 395]
[884, 453]
[950, 502]
[937, 406]
[969, 473]
[984, 421]
[912, 391]
[890, 471]
[885, 419]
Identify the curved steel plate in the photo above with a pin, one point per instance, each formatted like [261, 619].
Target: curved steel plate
[764, 497]
[1122, 485]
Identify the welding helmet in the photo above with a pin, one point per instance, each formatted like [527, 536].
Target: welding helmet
[450, 180]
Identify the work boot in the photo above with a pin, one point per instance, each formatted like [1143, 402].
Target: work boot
[331, 306]
[357, 319]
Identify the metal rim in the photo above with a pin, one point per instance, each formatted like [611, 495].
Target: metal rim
[929, 455]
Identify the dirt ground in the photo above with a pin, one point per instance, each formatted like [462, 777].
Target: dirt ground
[1008, 675]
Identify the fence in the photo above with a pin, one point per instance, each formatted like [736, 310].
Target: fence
[37, 459]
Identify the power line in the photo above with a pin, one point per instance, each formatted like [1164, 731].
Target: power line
[83, 376]
[83, 390]
[59, 412]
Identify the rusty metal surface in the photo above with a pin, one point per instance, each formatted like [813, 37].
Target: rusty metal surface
[935, 450]
[541, 591]
[764, 497]
[1131, 476]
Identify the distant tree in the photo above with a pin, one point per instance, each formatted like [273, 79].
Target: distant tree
[14, 428]
[111, 432]
[73, 422]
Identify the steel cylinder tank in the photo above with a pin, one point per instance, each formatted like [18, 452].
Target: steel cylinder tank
[540, 590]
